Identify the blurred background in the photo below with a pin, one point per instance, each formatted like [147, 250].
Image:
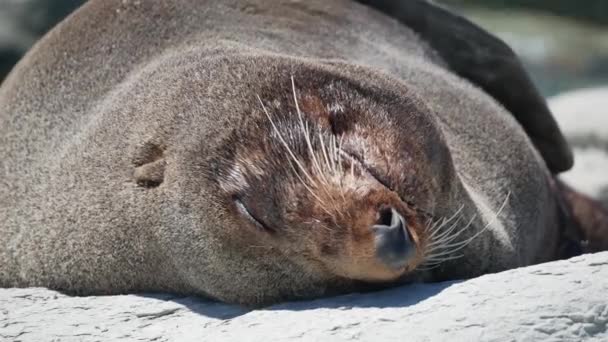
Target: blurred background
[563, 43]
[23, 22]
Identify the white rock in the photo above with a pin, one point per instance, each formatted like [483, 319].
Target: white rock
[582, 112]
[583, 117]
[560, 301]
[590, 172]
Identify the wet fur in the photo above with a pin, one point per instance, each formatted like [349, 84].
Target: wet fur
[121, 128]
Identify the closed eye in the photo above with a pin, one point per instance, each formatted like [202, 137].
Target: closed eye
[373, 172]
[382, 180]
[245, 212]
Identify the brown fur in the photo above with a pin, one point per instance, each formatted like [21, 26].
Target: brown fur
[166, 146]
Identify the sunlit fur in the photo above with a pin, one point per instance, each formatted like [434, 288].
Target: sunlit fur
[186, 147]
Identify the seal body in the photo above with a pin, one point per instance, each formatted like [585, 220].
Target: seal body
[242, 150]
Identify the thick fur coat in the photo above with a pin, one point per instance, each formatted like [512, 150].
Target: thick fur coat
[118, 128]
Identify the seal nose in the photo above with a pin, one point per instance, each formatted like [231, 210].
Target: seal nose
[394, 245]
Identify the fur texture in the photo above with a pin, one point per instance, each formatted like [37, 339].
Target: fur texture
[121, 133]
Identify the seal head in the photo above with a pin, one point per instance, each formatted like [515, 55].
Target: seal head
[323, 173]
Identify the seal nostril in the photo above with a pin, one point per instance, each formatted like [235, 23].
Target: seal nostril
[385, 216]
[394, 245]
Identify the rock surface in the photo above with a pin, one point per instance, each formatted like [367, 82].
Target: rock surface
[560, 301]
[583, 117]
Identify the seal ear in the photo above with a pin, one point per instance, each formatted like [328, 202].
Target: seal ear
[149, 163]
[488, 62]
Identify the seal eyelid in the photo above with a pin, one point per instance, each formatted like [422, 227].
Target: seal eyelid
[381, 180]
[369, 169]
[245, 212]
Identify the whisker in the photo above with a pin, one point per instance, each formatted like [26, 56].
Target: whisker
[324, 150]
[445, 238]
[295, 160]
[293, 156]
[463, 244]
[443, 247]
[448, 239]
[437, 229]
[306, 131]
[445, 234]
[428, 268]
[434, 263]
[451, 248]
[331, 153]
[308, 188]
[340, 152]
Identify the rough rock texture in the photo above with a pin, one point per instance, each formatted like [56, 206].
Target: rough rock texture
[559, 301]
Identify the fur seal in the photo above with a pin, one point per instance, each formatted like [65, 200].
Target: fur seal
[255, 151]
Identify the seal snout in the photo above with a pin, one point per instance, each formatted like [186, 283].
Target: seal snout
[393, 242]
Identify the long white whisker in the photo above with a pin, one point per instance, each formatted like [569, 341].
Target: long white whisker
[445, 234]
[458, 246]
[331, 154]
[451, 248]
[308, 188]
[428, 267]
[440, 260]
[306, 131]
[434, 263]
[442, 248]
[293, 156]
[437, 229]
[339, 152]
[324, 150]
[437, 245]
